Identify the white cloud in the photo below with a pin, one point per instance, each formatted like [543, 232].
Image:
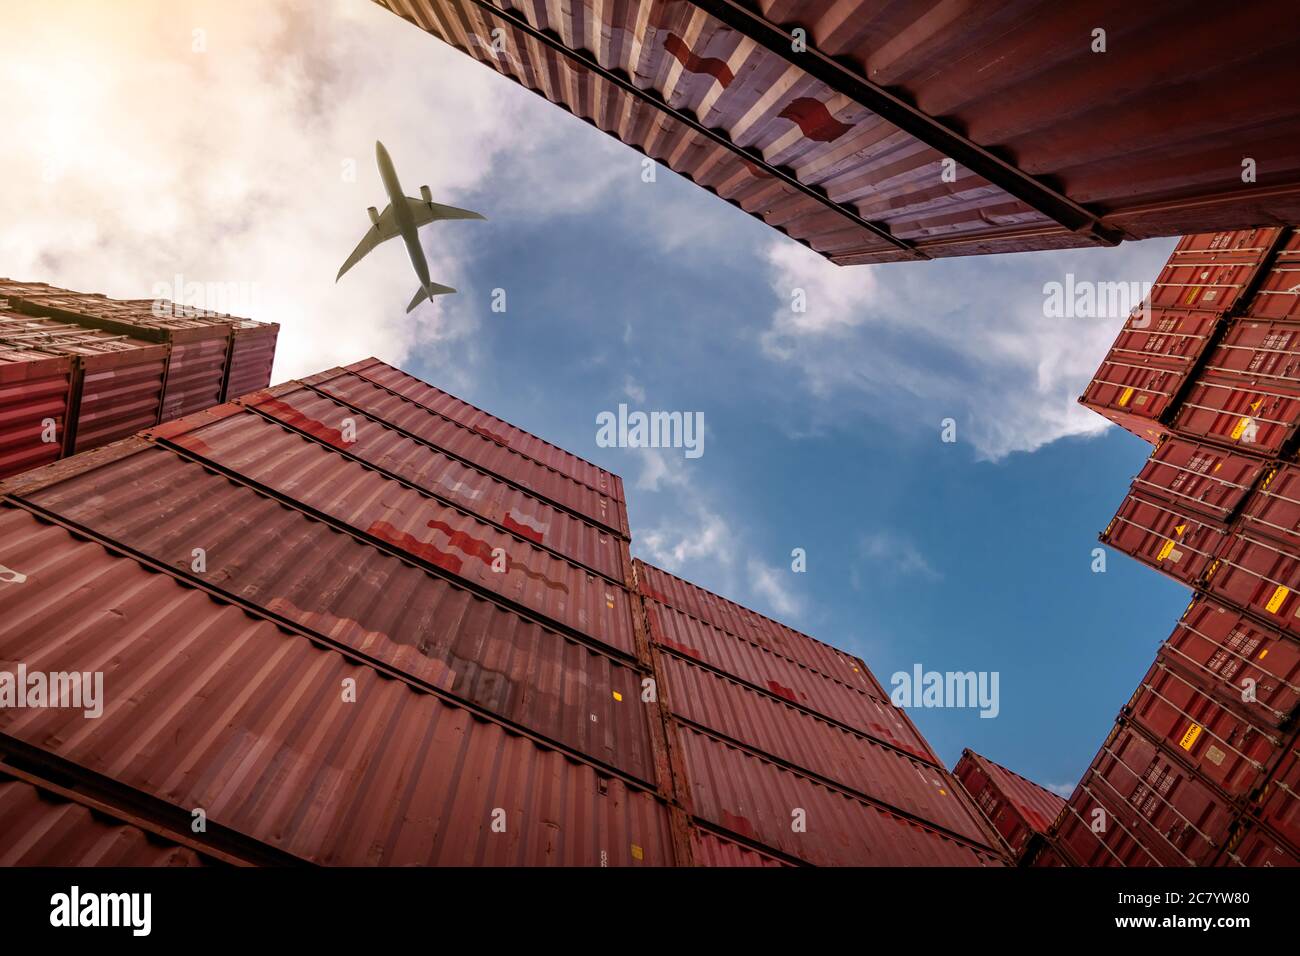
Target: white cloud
[899, 554]
[910, 344]
[768, 582]
[633, 390]
[1063, 790]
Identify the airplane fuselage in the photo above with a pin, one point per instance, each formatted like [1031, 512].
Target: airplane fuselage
[402, 214]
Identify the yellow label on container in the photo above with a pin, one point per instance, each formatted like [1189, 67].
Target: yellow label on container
[1164, 551]
[1276, 600]
[1178, 530]
[637, 852]
[1240, 427]
[1264, 653]
[1127, 394]
[1189, 738]
[617, 695]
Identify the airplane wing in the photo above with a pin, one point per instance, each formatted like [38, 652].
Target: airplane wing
[382, 231]
[426, 212]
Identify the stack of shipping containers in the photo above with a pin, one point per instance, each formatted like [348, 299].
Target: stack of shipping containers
[1019, 810]
[355, 620]
[81, 370]
[1201, 767]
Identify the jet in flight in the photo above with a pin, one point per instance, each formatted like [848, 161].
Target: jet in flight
[403, 216]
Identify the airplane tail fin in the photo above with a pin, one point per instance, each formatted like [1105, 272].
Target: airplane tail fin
[425, 292]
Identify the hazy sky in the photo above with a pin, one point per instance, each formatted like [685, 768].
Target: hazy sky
[233, 142]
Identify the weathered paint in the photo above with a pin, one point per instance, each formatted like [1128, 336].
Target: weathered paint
[1215, 271]
[1166, 536]
[1017, 808]
[1202, 478]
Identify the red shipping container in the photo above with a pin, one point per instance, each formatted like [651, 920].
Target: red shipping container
[35, 389]
[856, 709]
[1202, 478]
[252, 354]
[491, 427]
[470, 447]
[1212, 271]
[1259, 576]
[1222, 746]
[1257, 351]
[1255, 418]
[1278, 296]
[739, 792]
[277, 561]
[1241, 663]
[1278, 804]
[709, 849]
[1254, 845]
[751, 626]
[1140, 378]
[1136, 806]
[469, 489]
[1017, 808]
[785, 734]
[216, 709]
[1165, 536]
[47, 825]
[1274, 510]
[305, 472]
[1044, 856]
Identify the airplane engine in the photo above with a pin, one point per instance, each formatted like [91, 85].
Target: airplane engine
[426, 194]
[374, 215]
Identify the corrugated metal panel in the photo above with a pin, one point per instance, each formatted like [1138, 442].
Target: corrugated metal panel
[45, 829]
[1201, 478]
[1165, 536]
[1256, 846]
[1262, 578]
[884, 775]
[1223, 747]
[467, 488]
[489, 426]
[1213, 272]
[1256, 418]
[279, 560]
[1036, 807]
[1136, 806]
[458, 441]
[208, 707]
[1241, 663]
[365, 501]
[709, 849]
[842, 147]
[1140, 377]
[1278, 296]
[744, 794]
[252, 354]
[194, 377]
[760, 667]
[34, 387]
[751, 626]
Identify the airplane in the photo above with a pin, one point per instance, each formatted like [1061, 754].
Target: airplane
[403, 216]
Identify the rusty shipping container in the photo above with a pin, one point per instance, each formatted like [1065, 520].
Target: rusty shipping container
[1020, 810]
[1277, 804]
[1241, 663]
[1253, 416]
[428, 468]
[1165, 536]
[1140, 378]
[1138, 806]
[749, 625]
[1254, 845]
[1261, 577]
[489, 426]
[885, 132]
[1274, 510]
[473, 448]
[253, 720]
[115, 382]
[1214, 272]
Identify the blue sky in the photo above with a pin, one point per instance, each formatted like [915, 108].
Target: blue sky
[231, 147]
